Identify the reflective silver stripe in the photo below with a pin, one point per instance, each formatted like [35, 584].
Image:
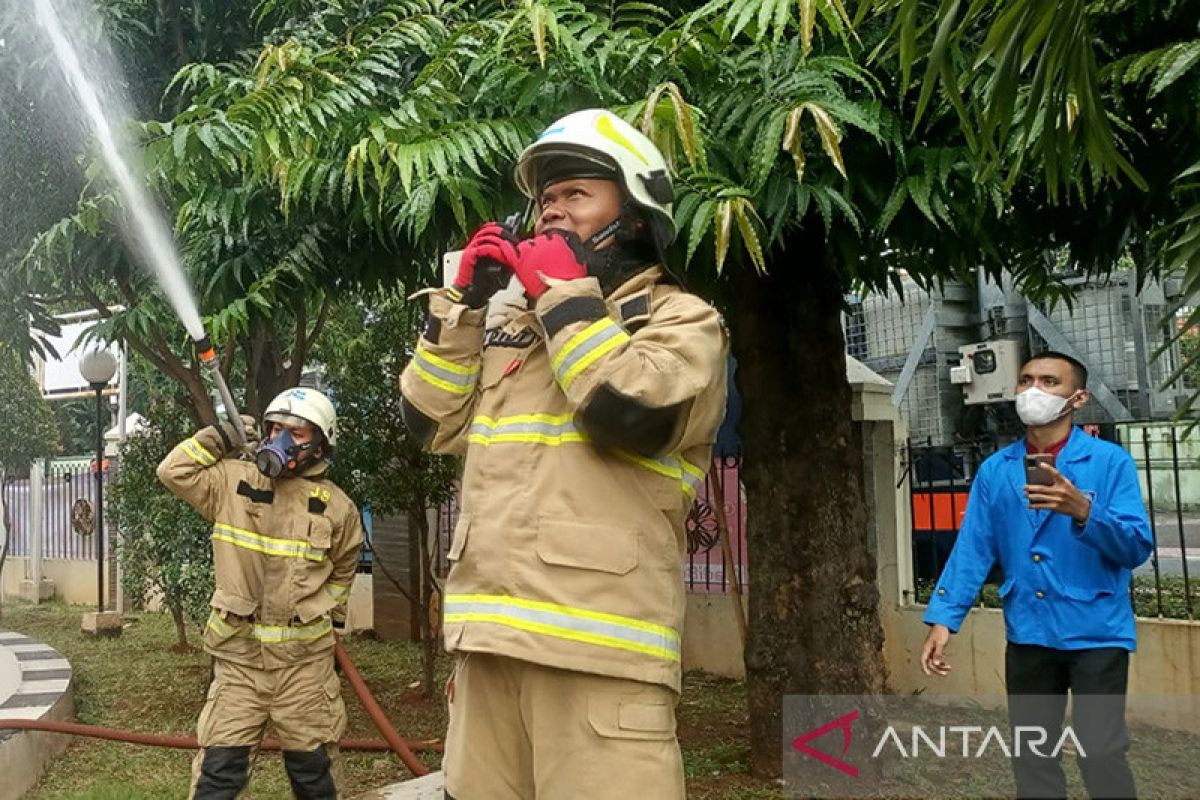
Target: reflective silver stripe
[546, 429]
[274, 634]
[219, 626]
[691, 476]
[565, 622]
[267, 545]
[446, 371]
[586, 347]
[198, 453]
[556, 429]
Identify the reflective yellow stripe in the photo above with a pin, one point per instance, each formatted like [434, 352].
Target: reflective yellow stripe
[337, 591]
[665, 467]
[289, 548]
[553, 430]
[575, 341]
[444, 374]
[546, 429]
[549, 419]
[563, 633]
[566, 622]
[586, 361]
[689, 475]
[449, 366]
[581, 350]
[198, 453]
[692, 478]
[273, 634]
[219, 626]
[550, 440]
[447, 386]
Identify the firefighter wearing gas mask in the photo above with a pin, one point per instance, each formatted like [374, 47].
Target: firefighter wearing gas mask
[587, 422]
[286, 543]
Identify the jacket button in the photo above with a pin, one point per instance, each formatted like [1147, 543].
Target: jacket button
[1036, 557]
[1041, 595]
[941, 591]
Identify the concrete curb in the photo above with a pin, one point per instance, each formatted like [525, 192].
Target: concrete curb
[35, 683]
[426, 788]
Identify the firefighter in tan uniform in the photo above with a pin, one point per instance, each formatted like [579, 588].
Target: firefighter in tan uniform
[286, 543]
[587, 422]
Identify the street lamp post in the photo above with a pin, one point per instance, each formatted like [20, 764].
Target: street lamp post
[97, 368]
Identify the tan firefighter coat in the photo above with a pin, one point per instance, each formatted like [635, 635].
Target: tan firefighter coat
[285, 552]
[587, 424]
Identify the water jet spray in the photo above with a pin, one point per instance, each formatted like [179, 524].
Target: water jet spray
[147, 228]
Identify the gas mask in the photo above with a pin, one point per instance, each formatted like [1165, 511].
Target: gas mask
[281, 455]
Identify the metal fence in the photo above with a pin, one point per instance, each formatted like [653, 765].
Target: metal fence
[68, 486]
[1168, 462]
[704, 570]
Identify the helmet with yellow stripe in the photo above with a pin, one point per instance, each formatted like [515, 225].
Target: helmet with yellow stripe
[596, 143]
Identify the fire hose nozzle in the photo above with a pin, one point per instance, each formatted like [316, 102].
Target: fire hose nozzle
[208, 359]
[206, 352]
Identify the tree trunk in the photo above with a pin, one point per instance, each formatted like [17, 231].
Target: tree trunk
[174, 18]
[4, 529]
[180, 625]
[814, 603]
[418, 528]
[269, 371]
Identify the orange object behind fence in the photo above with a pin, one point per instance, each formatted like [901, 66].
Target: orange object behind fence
[938, 511]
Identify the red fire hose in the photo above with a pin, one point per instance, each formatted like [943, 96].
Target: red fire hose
[403, 748]
[398, 745]
[189, 742]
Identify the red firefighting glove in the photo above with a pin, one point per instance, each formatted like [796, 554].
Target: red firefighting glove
[486, 261]
[554, 254]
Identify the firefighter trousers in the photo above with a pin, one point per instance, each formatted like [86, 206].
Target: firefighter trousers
[302, 702]
[521, 731]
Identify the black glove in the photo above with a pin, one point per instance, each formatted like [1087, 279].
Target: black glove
[229, 434]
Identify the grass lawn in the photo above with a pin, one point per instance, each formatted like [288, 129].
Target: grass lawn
[138, 683]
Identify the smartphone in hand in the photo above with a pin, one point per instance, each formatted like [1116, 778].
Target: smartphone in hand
[508, 289]
[1034, 474]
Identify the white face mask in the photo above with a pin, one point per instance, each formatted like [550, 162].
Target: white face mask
[1037, 408]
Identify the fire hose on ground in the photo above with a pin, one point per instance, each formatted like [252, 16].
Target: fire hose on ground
[405, 749]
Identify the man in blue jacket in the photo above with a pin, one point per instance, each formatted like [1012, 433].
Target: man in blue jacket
[1066, 550]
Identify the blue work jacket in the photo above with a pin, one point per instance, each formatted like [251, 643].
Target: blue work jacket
[1065, 586]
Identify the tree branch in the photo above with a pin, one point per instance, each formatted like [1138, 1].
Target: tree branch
[322, 318]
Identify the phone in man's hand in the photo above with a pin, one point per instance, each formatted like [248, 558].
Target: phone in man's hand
[1034, 474]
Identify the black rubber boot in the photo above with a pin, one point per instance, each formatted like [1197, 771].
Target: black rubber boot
[223, 773]
[309, 774]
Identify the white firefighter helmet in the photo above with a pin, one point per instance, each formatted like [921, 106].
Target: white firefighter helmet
[303, 404]
[598, 144]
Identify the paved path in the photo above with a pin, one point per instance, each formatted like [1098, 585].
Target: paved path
[35, 683]
[33, 676]
[426, 788]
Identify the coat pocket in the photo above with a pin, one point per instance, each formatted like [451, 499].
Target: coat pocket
[223, 600]
[459, 542]
[229, 633]
[320, 533]
[602, 548]
[625, 717]
[1087, 593]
